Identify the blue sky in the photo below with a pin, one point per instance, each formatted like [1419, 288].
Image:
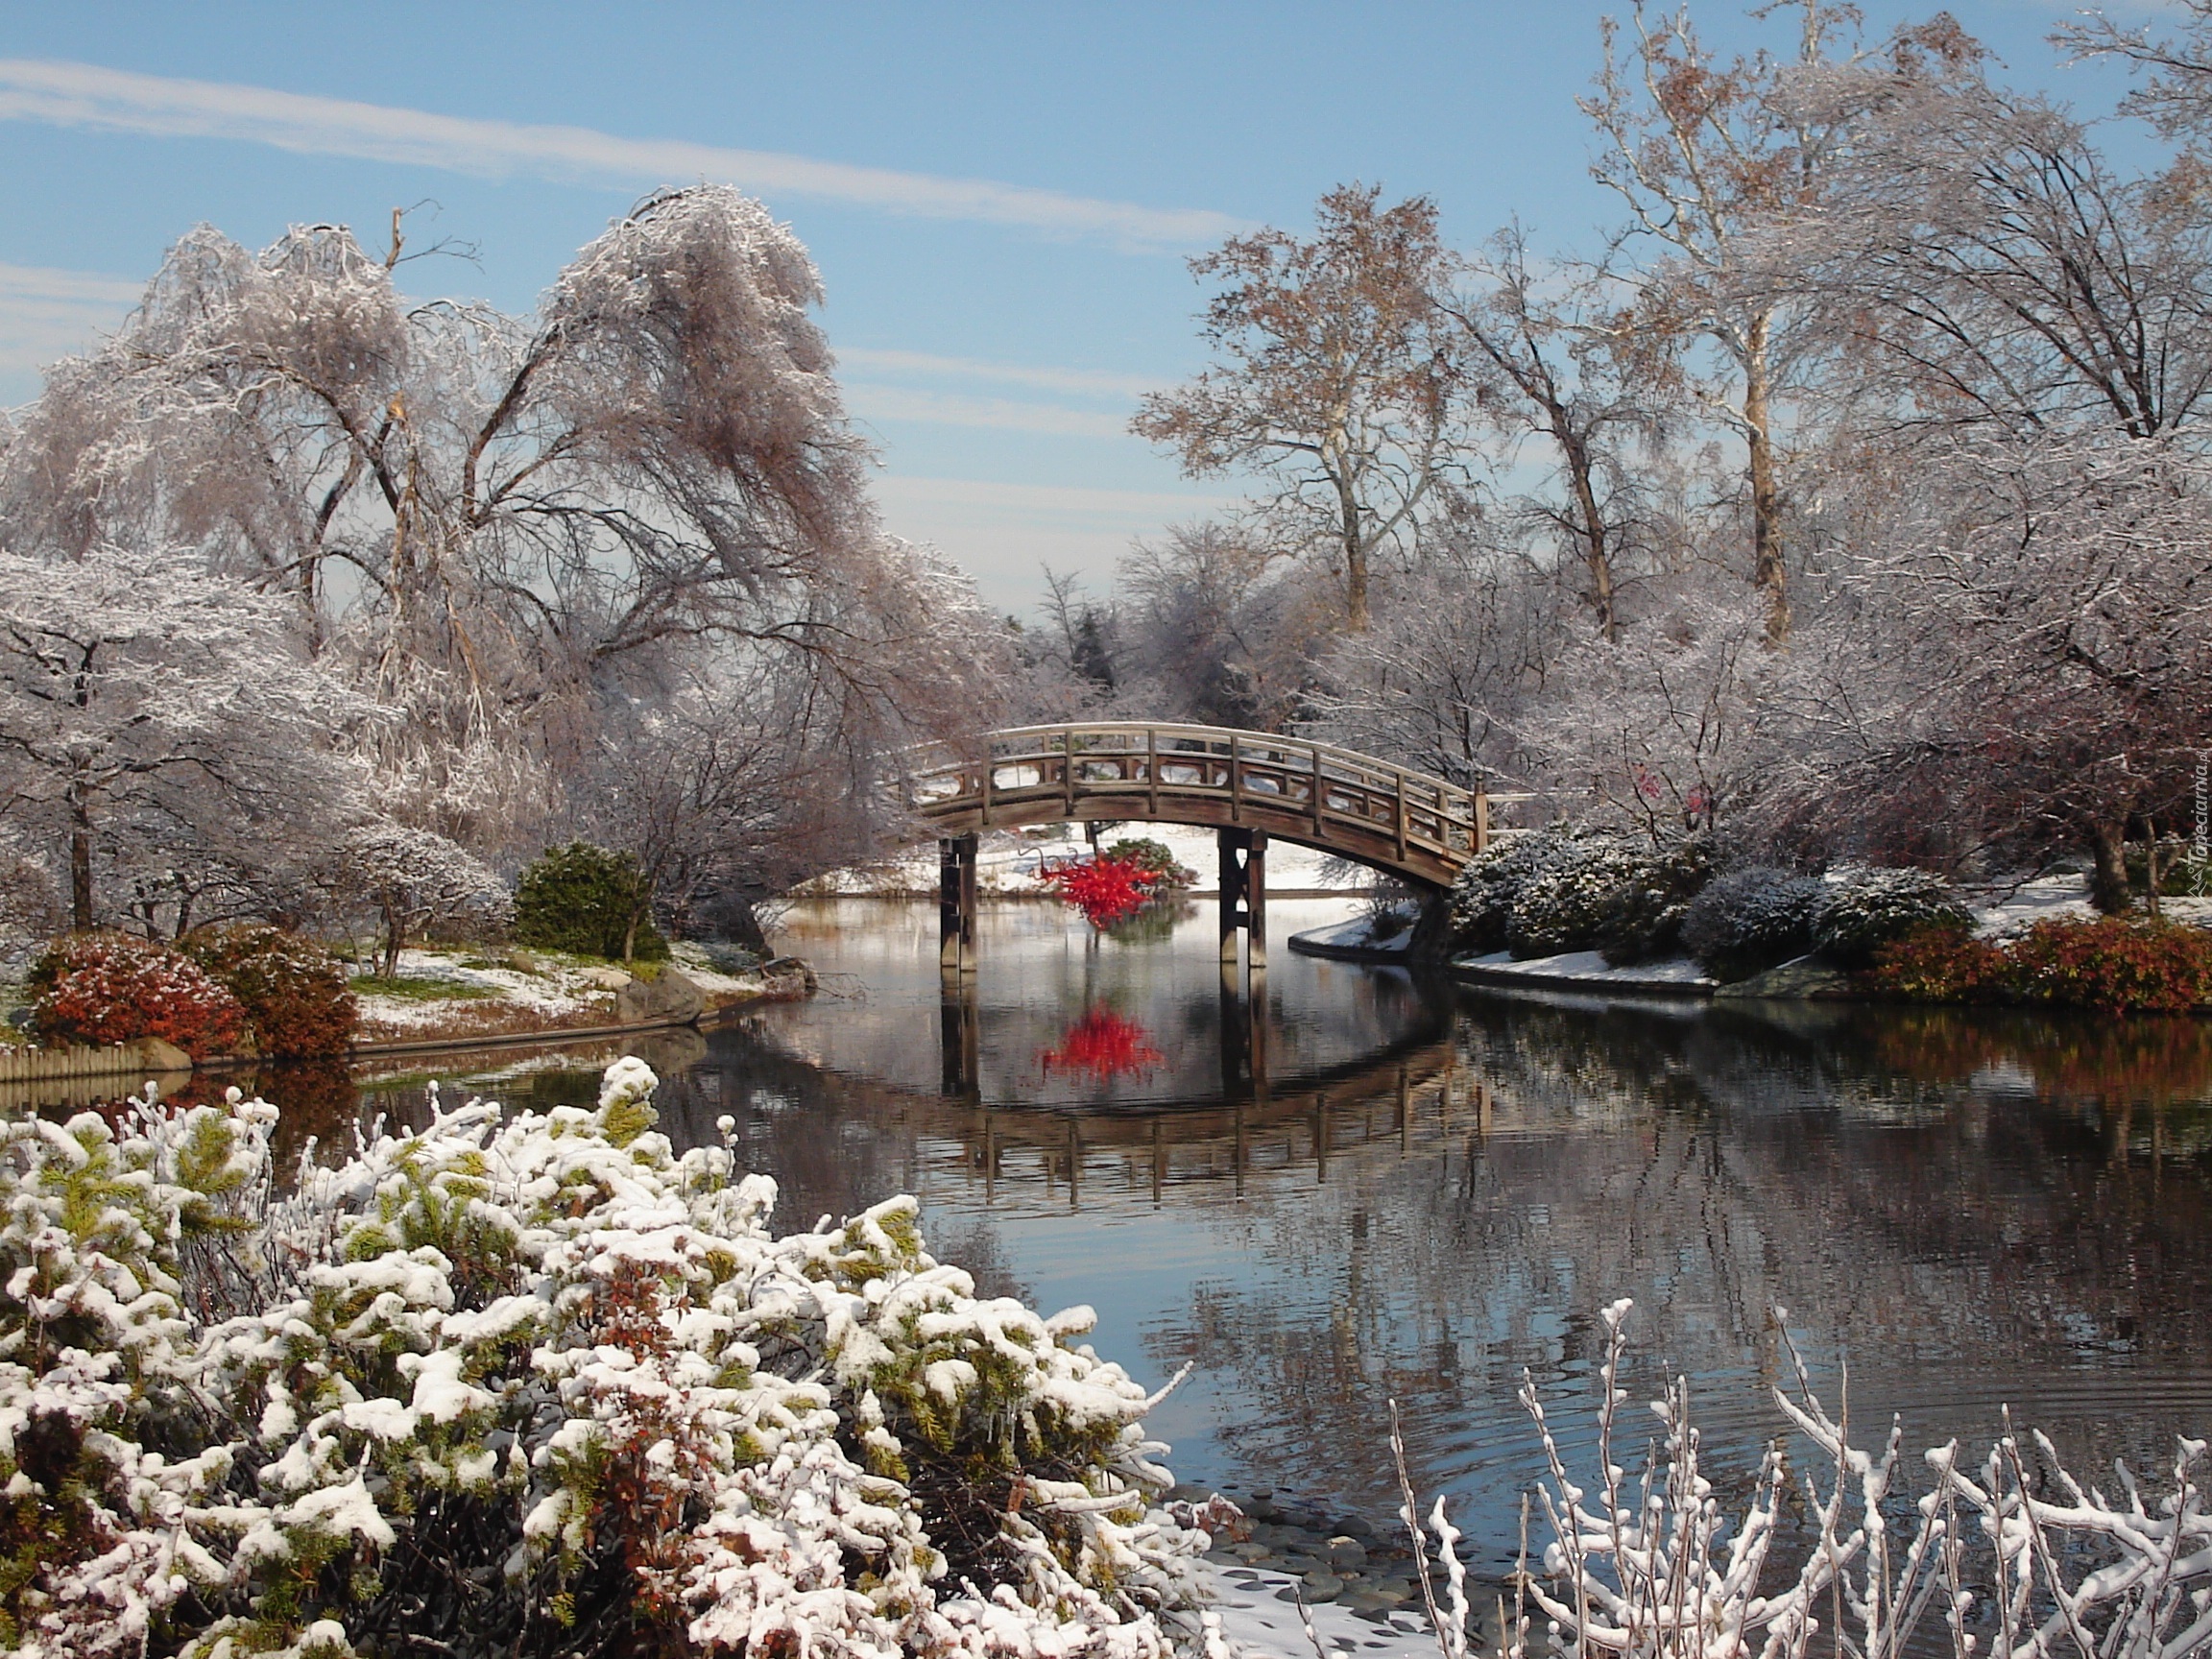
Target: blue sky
[1000, 197]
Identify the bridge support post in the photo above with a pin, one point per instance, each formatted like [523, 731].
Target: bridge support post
[960, 1040]
[1244, 895]
[956, 902]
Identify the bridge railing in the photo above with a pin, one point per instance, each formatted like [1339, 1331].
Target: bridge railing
[1330, 796]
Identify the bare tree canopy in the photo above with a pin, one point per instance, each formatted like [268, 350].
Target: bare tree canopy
[1336, 378]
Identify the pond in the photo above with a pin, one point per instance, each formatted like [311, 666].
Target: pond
[1357, 1188]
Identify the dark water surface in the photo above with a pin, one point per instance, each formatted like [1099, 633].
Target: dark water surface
[1371, 1188]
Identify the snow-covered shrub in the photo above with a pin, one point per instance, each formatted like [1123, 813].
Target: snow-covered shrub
[537, 1385]
[293, 992]
[1867, 908]
[2014, 1558]
[1542, 892]
[1644, 918]
[1750, 920]
[586, 899]
[104, 988]
[1482, 904]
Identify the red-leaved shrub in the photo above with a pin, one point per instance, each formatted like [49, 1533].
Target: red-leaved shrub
[104, 988]
[1106, 889]
[2109, 964]
[293, 992]
[1943, 963]
[2113, 965]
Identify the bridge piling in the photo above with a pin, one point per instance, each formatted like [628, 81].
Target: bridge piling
[1244, 895]
[956, 898]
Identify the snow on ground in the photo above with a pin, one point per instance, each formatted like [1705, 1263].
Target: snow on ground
[1008, 860]
[491, 997]
[1588, 967]
[1360, 934]
[1258, 1614]
[2007, 911]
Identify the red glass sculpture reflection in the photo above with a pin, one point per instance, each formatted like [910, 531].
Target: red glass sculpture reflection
[1102, 1046]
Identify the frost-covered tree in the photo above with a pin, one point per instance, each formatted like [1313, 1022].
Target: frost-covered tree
[1976, 261]
[1708, 155]
[2020, 663]
[149, 709]
[1556, 359]
[412, 880]
[495, 524]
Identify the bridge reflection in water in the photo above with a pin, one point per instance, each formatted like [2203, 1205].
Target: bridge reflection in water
[1214, 1136]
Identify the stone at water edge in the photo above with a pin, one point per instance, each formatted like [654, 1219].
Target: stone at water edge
[668, 995]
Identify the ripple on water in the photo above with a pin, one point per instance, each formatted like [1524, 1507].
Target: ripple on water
[1379, 1189]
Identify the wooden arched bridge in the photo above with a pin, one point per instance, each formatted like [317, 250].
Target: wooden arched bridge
[1249, 786]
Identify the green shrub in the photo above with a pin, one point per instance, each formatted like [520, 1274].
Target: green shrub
[2113, 965]
[584, 899]
[1868, 908]
[104, 988]
[293, 992]
[1939, 962]
[1752, 920]
[1154, 859]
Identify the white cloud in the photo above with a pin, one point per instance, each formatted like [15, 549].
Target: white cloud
[874, 402]
[1052, 500]
[47, 314]
[1092, 381]
[1005, 534]
[119, 101]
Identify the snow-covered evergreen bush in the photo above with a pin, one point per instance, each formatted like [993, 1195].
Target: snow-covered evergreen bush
[1644, 918]
[1867, 908]
[535, 1385]
[1555, 889]
[1750, 920]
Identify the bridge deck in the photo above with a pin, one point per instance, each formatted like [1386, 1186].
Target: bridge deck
[1404, 821]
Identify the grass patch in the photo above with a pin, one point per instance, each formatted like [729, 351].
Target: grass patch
[415, 988]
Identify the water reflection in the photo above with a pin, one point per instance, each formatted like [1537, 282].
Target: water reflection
[1347, 1186]
[1971, 1208]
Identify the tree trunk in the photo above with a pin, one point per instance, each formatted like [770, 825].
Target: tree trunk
[391, 942]
[630, 936]
[2108, 879]
[1354, 556]
[2151, 870]
[80, 865]
[1766, 570]
[1597, 555]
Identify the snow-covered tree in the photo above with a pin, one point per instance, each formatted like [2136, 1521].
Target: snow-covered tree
[500, 525]
[1337, 381]
[411, 880]
[151, 710]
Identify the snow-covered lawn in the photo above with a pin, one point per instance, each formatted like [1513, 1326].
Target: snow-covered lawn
[515, 991]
